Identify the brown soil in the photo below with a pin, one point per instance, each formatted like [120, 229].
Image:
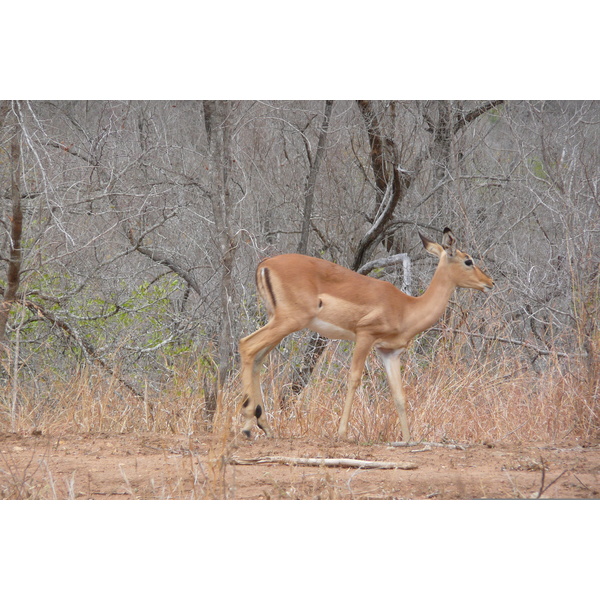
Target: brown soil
[151, 466]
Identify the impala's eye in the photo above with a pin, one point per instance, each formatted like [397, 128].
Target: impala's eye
[469, 262]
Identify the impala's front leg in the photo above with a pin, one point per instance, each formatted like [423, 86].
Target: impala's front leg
[391, 360]
[356, 369]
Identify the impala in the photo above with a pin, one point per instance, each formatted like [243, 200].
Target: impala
[301, 292]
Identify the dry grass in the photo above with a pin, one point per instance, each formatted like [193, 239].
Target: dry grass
[450, 399]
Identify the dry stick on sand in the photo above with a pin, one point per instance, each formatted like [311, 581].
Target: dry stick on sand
[322, 462]
[434, 444]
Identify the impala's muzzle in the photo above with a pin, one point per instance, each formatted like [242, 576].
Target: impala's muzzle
[487, 287]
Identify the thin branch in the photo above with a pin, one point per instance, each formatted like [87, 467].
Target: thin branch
[543, 489]
[73, 151]
[464, 120]
[86, 347]
[389, 261]
[162, 259]
[381, 263]
[495, 338]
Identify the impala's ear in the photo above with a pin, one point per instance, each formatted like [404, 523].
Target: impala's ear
[430, 246]
[448, 241]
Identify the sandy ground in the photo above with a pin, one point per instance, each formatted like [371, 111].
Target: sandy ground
[150, 466]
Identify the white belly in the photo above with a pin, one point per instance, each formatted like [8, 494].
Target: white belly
[330, 331]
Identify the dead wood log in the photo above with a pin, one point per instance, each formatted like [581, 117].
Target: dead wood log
[322, 462]
[428, 444]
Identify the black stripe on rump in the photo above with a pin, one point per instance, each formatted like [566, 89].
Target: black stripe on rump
[269, 286]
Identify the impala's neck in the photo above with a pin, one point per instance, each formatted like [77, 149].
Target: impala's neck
[428, 308]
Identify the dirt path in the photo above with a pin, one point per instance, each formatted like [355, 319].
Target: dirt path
[150, 466]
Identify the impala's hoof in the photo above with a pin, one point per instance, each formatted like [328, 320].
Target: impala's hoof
[265, 430]
[247, 433]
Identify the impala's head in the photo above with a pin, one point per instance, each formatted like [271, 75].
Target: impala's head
[462, 269]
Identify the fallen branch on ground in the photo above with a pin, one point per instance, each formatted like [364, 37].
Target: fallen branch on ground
[322, 462]
[434, 444]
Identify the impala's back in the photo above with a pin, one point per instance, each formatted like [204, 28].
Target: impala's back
[320, 295]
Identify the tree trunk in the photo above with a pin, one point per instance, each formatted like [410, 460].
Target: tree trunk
[309, 190]
[13, 276]
[218, 128]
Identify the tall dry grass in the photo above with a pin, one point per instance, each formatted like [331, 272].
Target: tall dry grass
[449, 398]
[452, 399]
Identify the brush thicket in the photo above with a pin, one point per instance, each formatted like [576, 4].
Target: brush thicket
[449, 397]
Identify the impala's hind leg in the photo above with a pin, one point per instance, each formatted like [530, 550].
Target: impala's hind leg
[252, 404]
[254, 349]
